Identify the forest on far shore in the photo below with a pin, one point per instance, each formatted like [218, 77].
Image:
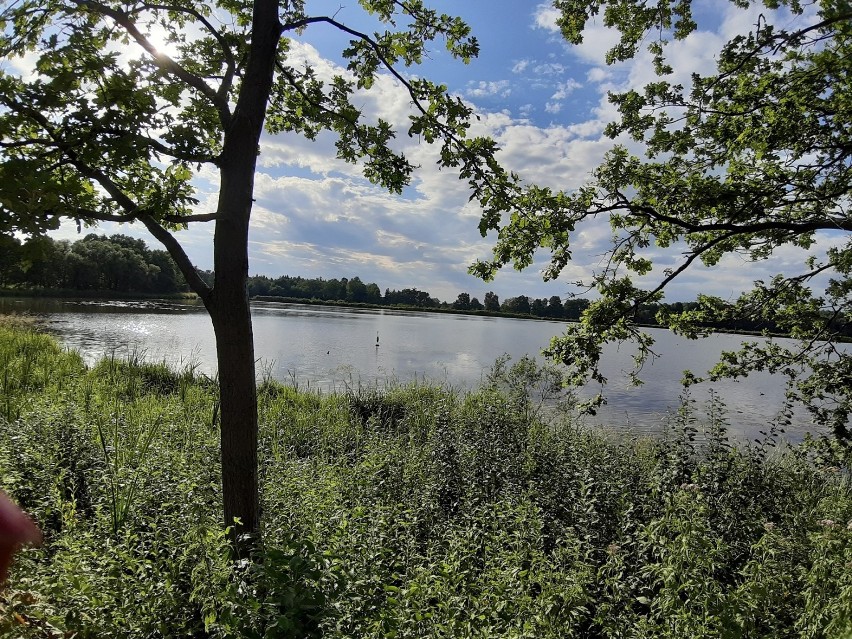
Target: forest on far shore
[124, 264]
[127, 265]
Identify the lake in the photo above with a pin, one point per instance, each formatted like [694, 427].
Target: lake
[334, 348]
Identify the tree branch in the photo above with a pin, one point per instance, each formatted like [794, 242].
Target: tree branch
[128, 218]
[196, 217]
[787, 37]
[95, 215]
[156, 145]
[167, 239]
[797, 228]
[230, 62]
[691, 257]
[198, 285]
[364, 37]
[131, 208]
[353, 122]
[160, 147]
[472, 160]
[162, 60]
[17, 144]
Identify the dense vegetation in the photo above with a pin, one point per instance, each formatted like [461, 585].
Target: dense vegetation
[116, 263]
[406, 512]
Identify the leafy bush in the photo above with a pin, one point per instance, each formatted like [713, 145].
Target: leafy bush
[412, 511]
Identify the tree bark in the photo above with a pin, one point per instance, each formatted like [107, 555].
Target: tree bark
[229, 309]
[228, 303]
[238, 401]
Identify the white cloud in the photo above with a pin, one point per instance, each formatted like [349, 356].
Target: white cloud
[520, 66]
[588, 129]
[564, 89]
[545, 17]
[549, 69]
[597, 40]
[484, 89]
[23, 64]
[598, 75]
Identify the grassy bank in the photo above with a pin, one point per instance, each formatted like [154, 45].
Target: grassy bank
[409, 511]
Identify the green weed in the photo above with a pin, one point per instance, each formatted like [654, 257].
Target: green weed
[408, 511]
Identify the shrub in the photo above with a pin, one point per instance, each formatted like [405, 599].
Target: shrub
[409, 510]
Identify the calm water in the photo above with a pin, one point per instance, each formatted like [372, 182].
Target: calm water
[335, 348]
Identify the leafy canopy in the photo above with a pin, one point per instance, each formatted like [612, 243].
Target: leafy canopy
[107, 127]
[752, 159]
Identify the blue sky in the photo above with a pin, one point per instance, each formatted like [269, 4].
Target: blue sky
[544, 102]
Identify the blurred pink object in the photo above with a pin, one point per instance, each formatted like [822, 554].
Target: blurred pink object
[16, 529]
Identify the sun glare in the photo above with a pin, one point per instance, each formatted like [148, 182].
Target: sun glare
[158, 37]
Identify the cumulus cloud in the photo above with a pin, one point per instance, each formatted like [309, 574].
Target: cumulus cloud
[598, 75]
[318, 216]
[564, 89]
[545, 17]
[484, 89]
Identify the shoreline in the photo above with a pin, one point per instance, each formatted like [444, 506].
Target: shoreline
[66, 293]
[102, 295]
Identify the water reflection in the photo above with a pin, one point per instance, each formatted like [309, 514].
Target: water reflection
[333, 348]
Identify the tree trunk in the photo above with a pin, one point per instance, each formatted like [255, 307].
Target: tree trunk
[238, 407]
[228, 302]
[228, 306]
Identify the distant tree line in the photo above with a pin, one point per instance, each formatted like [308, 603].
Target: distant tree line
[344, 290]
[116, 263]
[552, 307]
[354, 290]
[124, 264]
[654, 314]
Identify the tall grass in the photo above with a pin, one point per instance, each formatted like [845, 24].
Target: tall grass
[407, 511]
